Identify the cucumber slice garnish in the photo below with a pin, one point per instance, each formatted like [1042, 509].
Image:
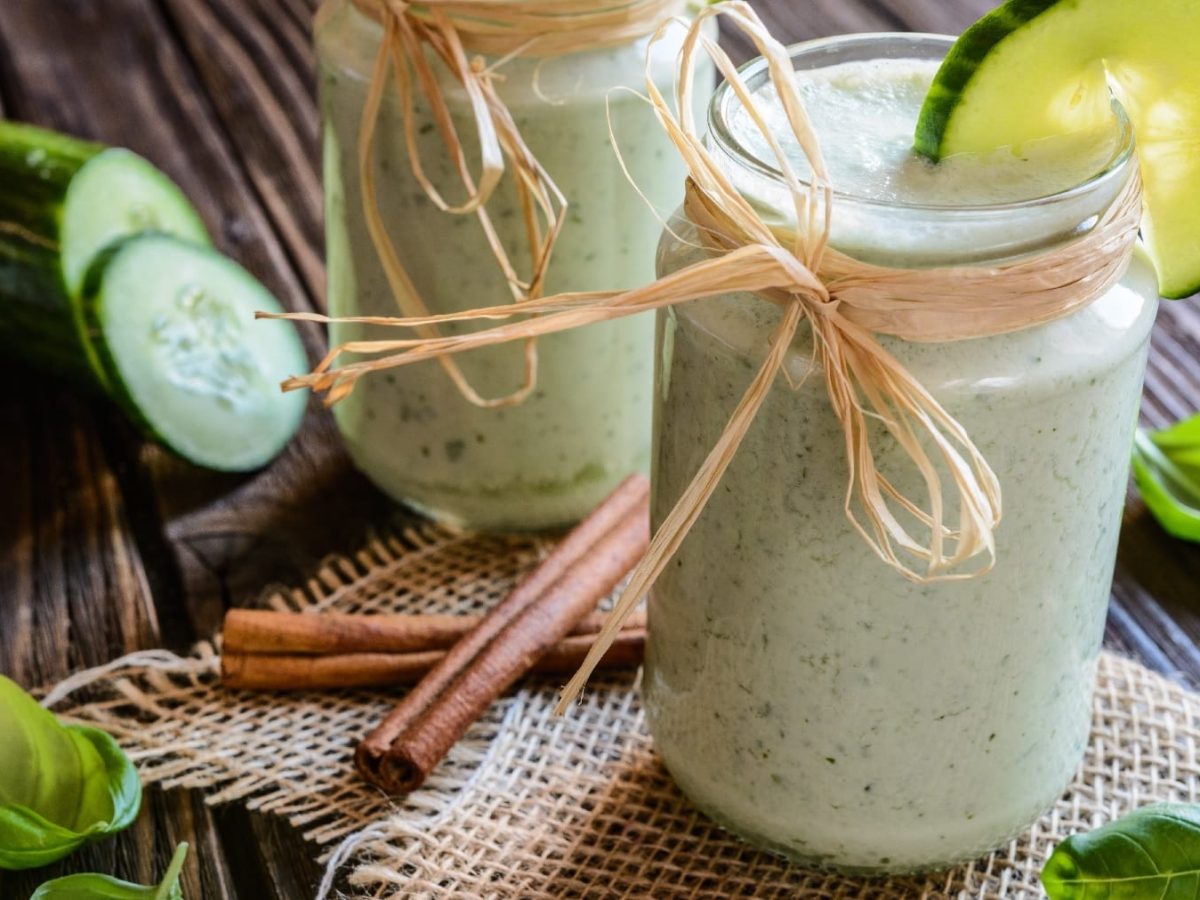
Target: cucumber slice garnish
[174, 327]
[114, 194]
[1036, 69]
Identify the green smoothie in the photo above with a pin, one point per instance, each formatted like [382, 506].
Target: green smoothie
[802, 692]
[550, 460]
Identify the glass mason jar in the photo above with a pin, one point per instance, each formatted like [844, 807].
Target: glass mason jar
[553, 458]
[801, 692]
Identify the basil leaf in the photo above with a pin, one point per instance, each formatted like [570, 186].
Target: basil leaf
[1181, 445]
[101, 887]
[1153, 852]
[60, 786]
[1184, 435]
[1166, 467]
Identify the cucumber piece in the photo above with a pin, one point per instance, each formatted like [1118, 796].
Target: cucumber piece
[61, 201]
[114, 194]
[1036, 69]
[174, 327]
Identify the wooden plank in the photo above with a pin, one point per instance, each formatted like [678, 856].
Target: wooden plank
[1156, 584]
[1173, 376]
[1124, 635]
[141, 853]
[261, 80]
[790, 22]
[263, 850]
[935, 16]
[69, 568]
[253, 59]
[73, 591]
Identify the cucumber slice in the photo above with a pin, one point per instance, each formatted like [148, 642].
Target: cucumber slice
[1035, 69]
[114, 194]
[61, 201]
[174, 327]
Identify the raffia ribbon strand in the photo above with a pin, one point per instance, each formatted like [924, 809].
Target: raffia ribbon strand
[449, 30]
[846, 302]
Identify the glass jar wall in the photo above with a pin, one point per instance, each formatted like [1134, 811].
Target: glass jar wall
[803, 693]
[551, 459]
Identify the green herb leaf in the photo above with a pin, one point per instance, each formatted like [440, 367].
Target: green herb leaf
[1153, 852]
[60, 786]
[101, 887]
[1166, 467]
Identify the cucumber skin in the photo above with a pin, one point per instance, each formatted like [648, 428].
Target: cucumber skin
[960, 65]
[90, 301]
[37, 317]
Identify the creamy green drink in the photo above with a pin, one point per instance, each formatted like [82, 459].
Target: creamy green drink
[800, 691]
[551, 459]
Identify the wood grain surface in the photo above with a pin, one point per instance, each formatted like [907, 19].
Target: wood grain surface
[109, 545]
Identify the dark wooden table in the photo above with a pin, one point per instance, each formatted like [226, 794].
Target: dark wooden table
[107, 545]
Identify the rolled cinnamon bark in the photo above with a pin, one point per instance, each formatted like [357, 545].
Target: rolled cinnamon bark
[261, 631]
[266, 631]
[295, 672]
[399, 754]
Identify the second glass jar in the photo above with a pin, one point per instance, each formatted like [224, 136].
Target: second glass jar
[550, 460]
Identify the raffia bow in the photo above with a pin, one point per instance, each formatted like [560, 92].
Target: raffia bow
[414, 34]
[846, 303]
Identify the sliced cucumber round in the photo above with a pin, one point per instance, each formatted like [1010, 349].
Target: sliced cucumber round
[114, 194]
[1035, 69]
[174, 327]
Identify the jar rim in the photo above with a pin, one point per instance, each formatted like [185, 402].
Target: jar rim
[754, 74]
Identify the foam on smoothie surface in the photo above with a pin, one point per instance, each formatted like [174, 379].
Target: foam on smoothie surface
[864, 114]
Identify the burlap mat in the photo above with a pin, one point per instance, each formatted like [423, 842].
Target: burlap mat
[530, 805]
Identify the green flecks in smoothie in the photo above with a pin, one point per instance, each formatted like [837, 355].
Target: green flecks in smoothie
[519, 487]
[455, 450]
[951, 715]
[831, 760]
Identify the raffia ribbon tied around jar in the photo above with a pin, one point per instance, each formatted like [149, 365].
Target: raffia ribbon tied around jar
[846, 303]
[448, 30]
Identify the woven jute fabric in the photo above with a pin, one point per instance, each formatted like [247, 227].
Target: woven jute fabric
[532, 805]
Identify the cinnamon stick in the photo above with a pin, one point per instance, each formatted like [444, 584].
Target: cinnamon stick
[296, 672]
[261, 631]
[399, 754]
